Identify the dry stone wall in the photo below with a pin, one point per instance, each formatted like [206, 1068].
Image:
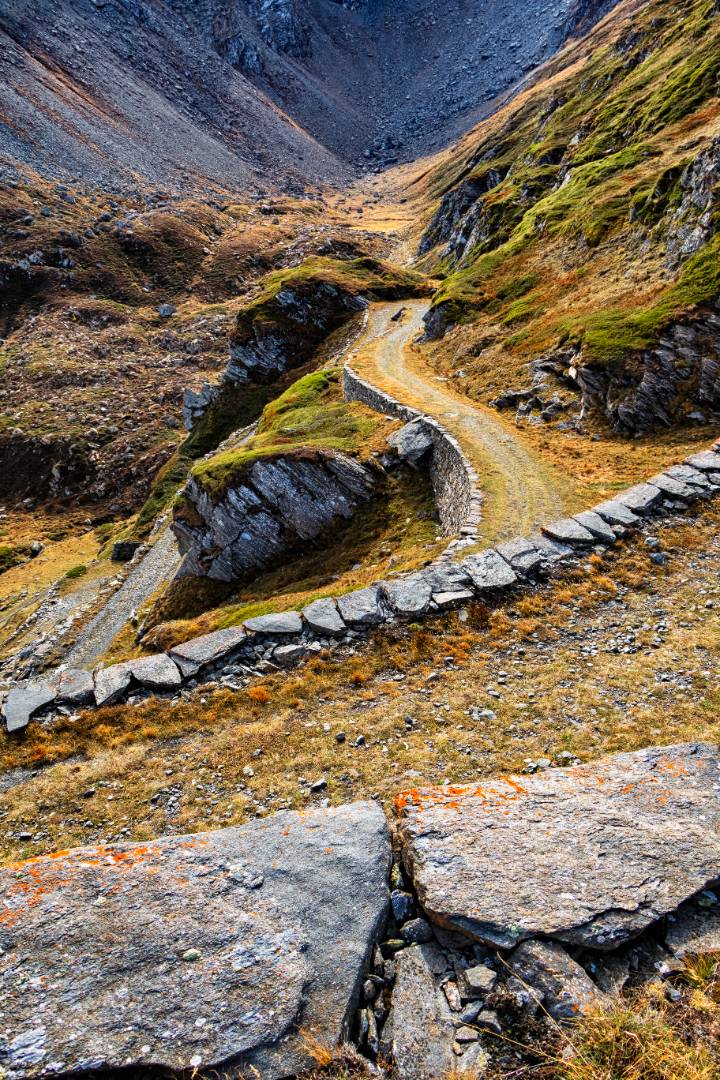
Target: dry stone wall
[454, 481]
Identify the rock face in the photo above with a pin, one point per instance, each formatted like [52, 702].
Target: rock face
[663, 385]
[589, 855]
[193, 951]
[279, 504]
[419, 1032]
[562, 987]
[289, 330]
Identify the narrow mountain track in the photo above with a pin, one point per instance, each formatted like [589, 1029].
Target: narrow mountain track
[520, 491]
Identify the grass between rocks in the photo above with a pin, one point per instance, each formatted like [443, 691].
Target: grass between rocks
[617, 655]
[311, 414]
[646, 1036]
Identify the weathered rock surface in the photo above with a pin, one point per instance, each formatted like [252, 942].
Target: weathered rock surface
[489, 571]
[563, 988]
[288, 330]
[323, 617]
[569, 531]
[589, 855]
[694, 928]
[111, 683]
[275, 506]
[23, 702]
[363, 607]
[74, 687]
[282, 624]
[409, 597]
[192, 951]
[419, 1032]
[411, 443]
[192, 656]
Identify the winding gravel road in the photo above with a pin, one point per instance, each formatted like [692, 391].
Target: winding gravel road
[520, 492]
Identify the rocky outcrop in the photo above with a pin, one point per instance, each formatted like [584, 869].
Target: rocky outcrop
[276, 505]
[286, 331]
[590, 855]
[230, 947]
[695, 219]
[677, 381]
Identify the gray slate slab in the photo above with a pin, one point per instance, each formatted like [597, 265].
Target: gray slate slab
[111, 683]
[74, 687]
[196, 654]
[362, 607]
[706, 461]
[323, 617]
[23, 702]
[615, 513]
[420, 1030]
[552, 551]
[523, 556]
[676, 489]
[408, 597]
[569, 531]
[562, 987]
[112, 955]
[156, 672]
[589, 855]
[597, 526]
[694, 929]
[641, 499]
[695, 477]
[448, 600]
[283, 624]
[488, 570]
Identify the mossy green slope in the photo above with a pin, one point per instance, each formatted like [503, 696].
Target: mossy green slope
[590, 161]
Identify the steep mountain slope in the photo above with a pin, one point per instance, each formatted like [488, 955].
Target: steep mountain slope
[578, 230]
[256, 90]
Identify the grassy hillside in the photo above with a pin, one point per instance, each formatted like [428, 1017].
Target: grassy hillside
[584, 215]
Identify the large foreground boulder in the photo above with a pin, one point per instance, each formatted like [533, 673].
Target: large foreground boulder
[589, 855]
[195, 951]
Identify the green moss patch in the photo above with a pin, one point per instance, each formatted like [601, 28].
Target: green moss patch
[310, 416]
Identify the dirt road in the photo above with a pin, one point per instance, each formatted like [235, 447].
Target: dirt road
[520, 492]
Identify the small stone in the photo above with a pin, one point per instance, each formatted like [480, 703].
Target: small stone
[488, 1021]
[466, 1035]
[403, 905]
[192, 954]
[417, 932]
[477, 981]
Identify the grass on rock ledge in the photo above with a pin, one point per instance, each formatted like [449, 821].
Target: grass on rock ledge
[618, 655]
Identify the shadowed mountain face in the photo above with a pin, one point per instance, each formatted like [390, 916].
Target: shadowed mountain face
[181, 91]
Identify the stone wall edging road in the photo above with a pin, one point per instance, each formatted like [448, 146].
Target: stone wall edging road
[287, 637]
[456, 484]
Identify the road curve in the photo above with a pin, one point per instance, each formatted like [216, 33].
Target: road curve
[520, 492]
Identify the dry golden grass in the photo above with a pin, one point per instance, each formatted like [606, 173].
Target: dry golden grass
[645, 1036]
[407, 694]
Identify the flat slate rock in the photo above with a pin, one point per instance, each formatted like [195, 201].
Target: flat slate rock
[597, 526]
[74, 687]
[521, 554]
[156, 672]
[362, 607]
[323, 617]
[193, 951]
[282, 624]
[694, 929]
[23, 702]
[488, 570]
[675, 489]
[641, 499]
[191, 656]
[706, 461]
[111, 683]
[410, 596]
[615, 513]
[419, 1032]
[561, 986]
[569, 531]
[589, 855]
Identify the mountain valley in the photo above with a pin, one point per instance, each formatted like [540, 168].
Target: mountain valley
[359, 496]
